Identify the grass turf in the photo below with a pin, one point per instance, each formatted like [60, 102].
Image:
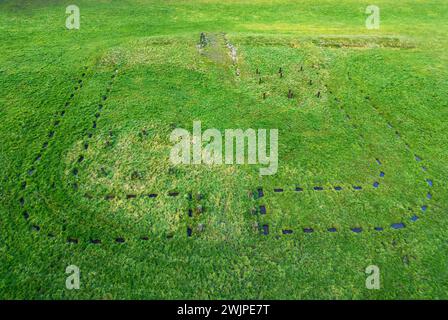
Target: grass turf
[87, 114]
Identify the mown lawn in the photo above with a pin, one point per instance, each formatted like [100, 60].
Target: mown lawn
[86, 178]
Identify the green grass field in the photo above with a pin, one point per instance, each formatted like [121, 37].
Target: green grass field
[85, 173]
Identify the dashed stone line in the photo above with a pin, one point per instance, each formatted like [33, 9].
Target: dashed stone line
[375, 184]
[75, 171]
[90, 132]
[199, 209]
[407, 146]
[59, 115]
[37, 228]
[396, 225]
[88, 136]
[81, 158]
[134, 196]
[339, 187]
[192, 202]
[417, 158]
[262, 209]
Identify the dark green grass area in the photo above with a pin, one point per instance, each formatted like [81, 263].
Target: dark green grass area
[86, 177]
